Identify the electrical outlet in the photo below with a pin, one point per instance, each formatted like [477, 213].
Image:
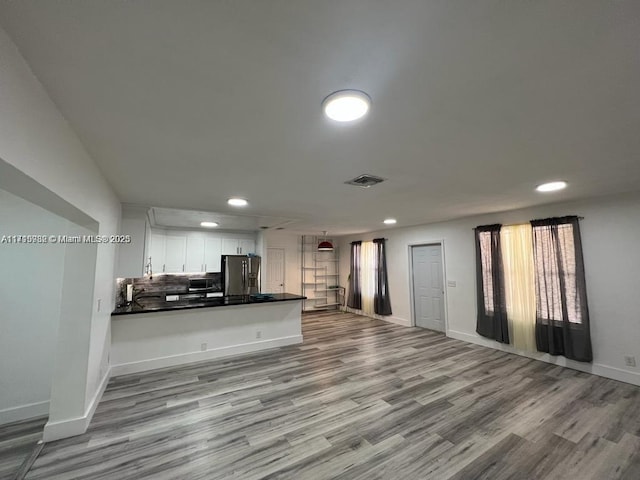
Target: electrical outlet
[258, 334]
[630, 361]
[203, 347]
[451, 283]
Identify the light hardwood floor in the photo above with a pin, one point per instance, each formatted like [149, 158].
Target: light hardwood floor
[360, 399]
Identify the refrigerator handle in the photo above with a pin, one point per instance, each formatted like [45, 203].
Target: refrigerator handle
[244, 277]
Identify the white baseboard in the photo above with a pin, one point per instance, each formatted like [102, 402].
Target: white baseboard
[174, 360]
[95, 400]
[616, 373]
[24, 412]
[385, 318]
[78, 425]
[64, 428]
[599, 369]
[397, 320]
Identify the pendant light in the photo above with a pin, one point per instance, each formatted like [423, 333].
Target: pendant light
[325, 245]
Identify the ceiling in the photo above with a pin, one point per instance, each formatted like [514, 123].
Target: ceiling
[191, 219]
[184, 103]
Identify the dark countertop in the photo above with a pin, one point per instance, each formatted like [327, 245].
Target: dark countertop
[150, 305]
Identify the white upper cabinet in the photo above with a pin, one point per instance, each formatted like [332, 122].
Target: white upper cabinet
[212, 254]
[175, 253]
[238, 246]
[247, 246]
[179, 251]
[230, 246]
[195, 253]
[156, 252]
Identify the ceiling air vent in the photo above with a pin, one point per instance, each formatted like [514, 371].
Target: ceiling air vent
[365, 181]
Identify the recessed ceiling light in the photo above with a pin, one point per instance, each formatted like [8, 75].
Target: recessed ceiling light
[390, 221]
[346, 105]
[208, 224]
[551, 186]
[237, 202]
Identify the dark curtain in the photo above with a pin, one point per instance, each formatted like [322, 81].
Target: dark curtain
[381, 302]
[354, 300]
[562, 316]
[492, 310]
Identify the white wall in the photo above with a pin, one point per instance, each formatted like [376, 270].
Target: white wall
[36, 139]
[155, 340]
[292, 257]
[610, 236]
[30, 289]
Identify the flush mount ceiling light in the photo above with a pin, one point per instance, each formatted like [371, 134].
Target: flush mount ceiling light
[551, 186]
[325, 245]
[208, 224]
[346, 105]
[390, 221]
[237, 202]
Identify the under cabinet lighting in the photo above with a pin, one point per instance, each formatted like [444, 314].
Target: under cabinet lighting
[390, 221]
[208, 224]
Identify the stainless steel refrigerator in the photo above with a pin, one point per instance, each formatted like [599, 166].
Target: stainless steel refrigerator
[241, 274]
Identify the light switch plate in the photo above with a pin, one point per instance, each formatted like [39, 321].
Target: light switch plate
[451, 283]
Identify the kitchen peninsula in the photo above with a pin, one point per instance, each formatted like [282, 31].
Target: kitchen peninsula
[157, 333]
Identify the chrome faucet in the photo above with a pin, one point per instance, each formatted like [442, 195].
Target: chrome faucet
[148, 269]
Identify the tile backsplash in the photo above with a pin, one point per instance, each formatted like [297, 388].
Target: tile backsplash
[164, 284]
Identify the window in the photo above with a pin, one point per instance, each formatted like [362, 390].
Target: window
[516, 242]
[492, 312]
[487, 271]
[549, 254]
[368, 272]
[369, 287]
[562, 315]
[554, 253]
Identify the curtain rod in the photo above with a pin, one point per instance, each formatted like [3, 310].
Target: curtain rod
[516, 224]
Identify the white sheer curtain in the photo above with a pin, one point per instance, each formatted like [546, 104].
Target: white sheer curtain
[519, 278]
[368, 272]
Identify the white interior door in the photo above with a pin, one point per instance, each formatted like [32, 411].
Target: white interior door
[275, 270]
[428, 287]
